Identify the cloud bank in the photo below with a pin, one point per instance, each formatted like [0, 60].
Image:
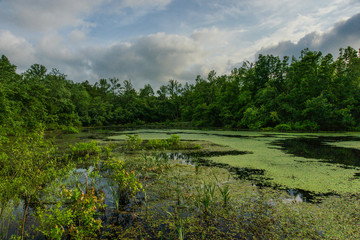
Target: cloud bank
[155, 41]
[343, 34]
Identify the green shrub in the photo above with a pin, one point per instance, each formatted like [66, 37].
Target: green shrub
[156, 144]
[283, 127]
[174, 142]
[306, 126]
[77, 220]
[133, 142]
[85, 149]
[124, 183]
[70, 129]
[138, 122]
[27, 165]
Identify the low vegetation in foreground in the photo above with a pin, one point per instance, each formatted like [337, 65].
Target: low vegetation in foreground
[132, 190]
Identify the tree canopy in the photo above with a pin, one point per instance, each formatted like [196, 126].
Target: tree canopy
[313, 92]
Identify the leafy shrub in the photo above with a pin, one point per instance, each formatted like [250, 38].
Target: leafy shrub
[27, 165]
[163, 144]
[70, 129]
[306, 126]
[133, 142]
[125, 183]
[85, 149]
[138, 122]
[283, 127]
[174, 142]
[77, 220]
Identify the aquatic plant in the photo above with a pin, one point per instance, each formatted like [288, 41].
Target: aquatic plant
[74, 216]
[124, 182]
[133, 142]
[205, 197]
[177, 215]
[225, 193]
[83, 151]
[196, 167]
[70, 129]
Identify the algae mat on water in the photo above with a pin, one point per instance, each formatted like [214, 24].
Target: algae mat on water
[283, 167]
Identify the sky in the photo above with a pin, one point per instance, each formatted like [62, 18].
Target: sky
[154, 41]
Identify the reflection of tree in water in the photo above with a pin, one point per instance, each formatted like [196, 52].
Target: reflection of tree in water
[318, 149]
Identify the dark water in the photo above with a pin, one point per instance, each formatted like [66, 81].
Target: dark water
[317, 148]
[265, 135]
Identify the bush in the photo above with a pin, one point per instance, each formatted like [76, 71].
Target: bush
[156, 144]
[174, 142]
[70, 129]
[283, 127]
[133, 142]
[85, 149]
[77, 220]
[306, 126]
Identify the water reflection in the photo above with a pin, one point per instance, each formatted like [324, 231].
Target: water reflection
[317, 148]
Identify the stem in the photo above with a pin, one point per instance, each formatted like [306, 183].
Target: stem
[27, 203]
[2, 206]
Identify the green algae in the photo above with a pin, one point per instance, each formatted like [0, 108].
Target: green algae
[252, 213]
[282, 169]
[346, 144]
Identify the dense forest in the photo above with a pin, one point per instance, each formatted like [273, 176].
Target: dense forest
[313, 92]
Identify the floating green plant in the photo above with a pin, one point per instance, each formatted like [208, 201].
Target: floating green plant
[280, 168]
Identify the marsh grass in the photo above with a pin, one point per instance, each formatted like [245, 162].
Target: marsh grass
[196, 206]
[205, 197]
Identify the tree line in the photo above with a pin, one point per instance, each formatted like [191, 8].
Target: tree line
[313, 92]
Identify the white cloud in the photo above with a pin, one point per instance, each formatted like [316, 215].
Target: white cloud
[78, 35]
[159, 4]
[343, 34]
[156, 58]
[221, 47]
[74, 36]
[17, 49]
[46, 15]
[53, 47]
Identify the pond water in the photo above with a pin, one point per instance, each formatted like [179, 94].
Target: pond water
[305, 165]
[318, 148]
[324, 163]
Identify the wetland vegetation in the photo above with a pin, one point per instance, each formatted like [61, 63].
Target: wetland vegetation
[178, 184]
[74, 163]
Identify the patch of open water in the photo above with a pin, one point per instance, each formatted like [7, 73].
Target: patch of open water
[317, 148]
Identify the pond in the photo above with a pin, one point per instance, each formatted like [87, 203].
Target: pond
[178, 182]
[321, 163]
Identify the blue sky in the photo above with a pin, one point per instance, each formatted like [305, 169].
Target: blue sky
[155, 41]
